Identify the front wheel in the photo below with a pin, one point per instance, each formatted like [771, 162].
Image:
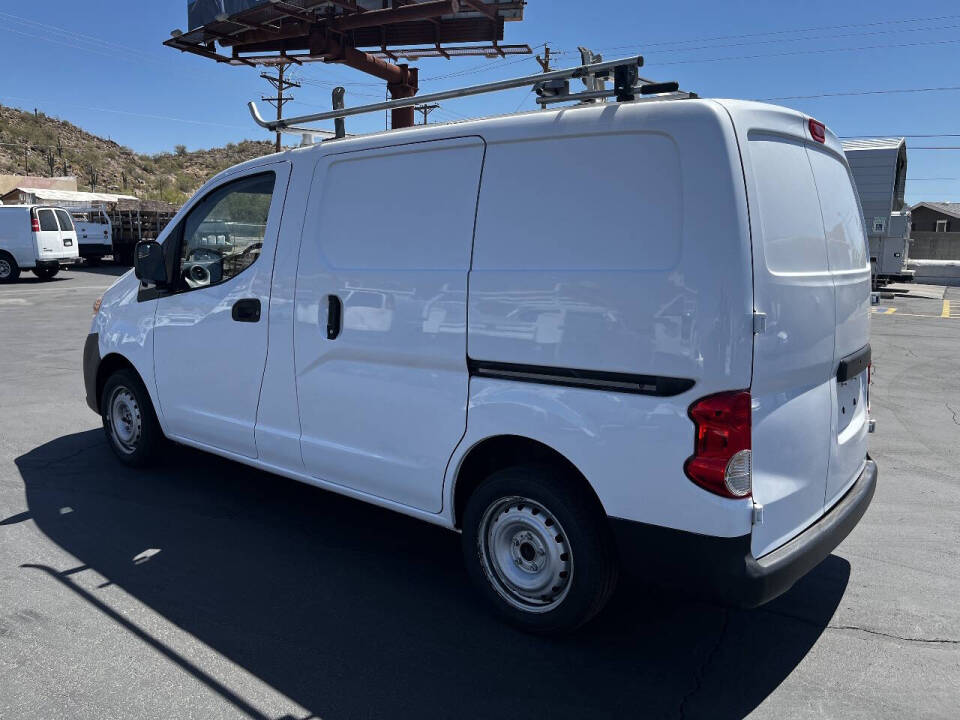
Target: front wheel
[129, 420]
[46, 273]
[538, 547]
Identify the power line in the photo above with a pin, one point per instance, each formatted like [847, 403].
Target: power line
[126, 112]
[781, 32]
[47, 27]
[793, 40]
[861, 92]
[809, 52]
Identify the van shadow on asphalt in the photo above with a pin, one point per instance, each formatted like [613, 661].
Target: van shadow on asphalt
[353, 611]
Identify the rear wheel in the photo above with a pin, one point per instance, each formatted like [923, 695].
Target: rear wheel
[129, 420]
[538, 547]
[9, 270]
[46, 273]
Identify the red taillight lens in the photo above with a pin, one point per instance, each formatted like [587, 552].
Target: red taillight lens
[721, 459]
[34, 225]
[818, 130]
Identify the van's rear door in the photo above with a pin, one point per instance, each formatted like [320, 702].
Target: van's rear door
[793, 363]
[48, 238]
[812, 282]
[850, 268]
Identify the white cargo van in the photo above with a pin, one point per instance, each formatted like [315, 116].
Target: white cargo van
[617, 336]
[37, 238]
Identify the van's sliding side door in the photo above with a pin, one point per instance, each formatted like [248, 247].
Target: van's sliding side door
[380, 331]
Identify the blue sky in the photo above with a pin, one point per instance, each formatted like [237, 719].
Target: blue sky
[100, 64]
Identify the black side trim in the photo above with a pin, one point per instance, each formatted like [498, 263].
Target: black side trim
[854, 364]
[589, 379]
[91, 363]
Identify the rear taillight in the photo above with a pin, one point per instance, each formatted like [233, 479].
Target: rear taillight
[818, 130]
[721, 461]
[34, 225]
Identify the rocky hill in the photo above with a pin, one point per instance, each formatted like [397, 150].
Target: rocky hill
[38, 144]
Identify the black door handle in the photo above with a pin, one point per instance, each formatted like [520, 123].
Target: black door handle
[247, 310]
[334, 316]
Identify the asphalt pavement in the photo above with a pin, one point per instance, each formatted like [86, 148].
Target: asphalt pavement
[206, 589]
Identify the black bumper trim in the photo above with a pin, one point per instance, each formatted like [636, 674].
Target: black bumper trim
[91, 363]
[723, 569]
[853, 364]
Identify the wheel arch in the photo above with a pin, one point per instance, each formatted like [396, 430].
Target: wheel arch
[108, 366]
[502, 451]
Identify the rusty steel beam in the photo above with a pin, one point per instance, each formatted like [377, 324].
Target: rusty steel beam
[403, 13]
[481, 7]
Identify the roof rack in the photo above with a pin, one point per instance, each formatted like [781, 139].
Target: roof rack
[551, 87]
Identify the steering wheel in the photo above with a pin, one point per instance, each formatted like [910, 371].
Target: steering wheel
[249, 248]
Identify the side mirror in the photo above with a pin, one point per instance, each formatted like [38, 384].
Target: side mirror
[149, 264]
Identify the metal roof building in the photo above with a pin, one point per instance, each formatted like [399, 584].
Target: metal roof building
[879, 168]
[64, 198]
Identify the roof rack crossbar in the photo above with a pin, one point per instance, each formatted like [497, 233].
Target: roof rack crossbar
[292, 124]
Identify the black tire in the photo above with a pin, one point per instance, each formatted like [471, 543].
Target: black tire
[124, 393]
[9, 270]
[46, 273]
[497, 514]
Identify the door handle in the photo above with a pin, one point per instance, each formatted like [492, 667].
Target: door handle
[247, 310]
[334, 316]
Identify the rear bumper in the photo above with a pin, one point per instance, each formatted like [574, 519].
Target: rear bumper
[723, 569]
[91, 363]
[49, 262]
[95, 249]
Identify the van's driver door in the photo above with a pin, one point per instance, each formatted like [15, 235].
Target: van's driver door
[210, 334]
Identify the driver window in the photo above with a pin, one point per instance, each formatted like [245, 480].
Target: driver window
[223, 234]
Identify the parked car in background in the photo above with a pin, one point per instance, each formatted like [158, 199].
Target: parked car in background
[36, 238]
[94, 233]
[673, 381]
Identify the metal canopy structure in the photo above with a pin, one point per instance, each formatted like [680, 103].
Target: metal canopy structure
[368, 35]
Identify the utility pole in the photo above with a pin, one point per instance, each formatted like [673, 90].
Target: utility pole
[545, 60]
[425, 110]
[281, 84]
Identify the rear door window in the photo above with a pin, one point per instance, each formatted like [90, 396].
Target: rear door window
[788, 206]
[65, 222]
[842, 221]
[48, 221]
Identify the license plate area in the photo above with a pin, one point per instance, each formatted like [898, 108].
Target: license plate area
[851, 401]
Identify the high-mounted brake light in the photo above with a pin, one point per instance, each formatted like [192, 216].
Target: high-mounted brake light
[721, 461]
[818, 130]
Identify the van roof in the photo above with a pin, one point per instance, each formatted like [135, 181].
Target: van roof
[532, 123]
[746, 115]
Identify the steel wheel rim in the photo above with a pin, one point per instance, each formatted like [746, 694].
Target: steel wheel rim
[525, 554]
[5, 269]
[124, 419]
